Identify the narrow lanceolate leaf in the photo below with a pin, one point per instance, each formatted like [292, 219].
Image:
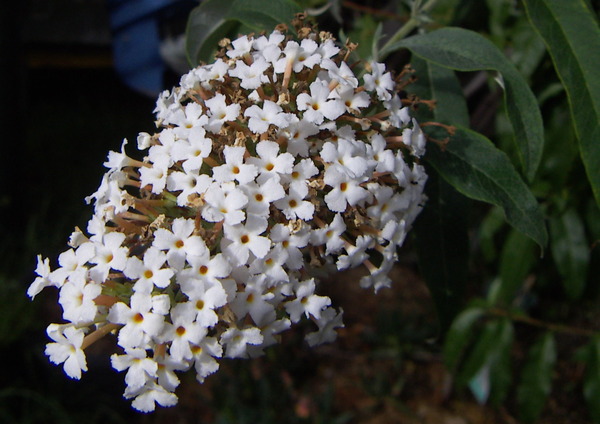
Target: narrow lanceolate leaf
[570, 251]
[492, 380]
[571, 33]
[477, 169]
[464, 50]
[518, 256]
[213, 19]
[441, 230]
[460, 335]
[536, 378]
[495, 338]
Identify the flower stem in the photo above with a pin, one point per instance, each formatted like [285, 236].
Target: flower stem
[98, 334]
[410, 25]
[556, 328]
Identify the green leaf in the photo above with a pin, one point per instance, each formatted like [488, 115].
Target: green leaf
[518, 256]
[214, 19]
[501, 372]
[572, 37]
[570, 251]
[464, 50]
[443, 247]
[536, 378]
[591, 381]
[207, 24]
[439, 84]
[477, 169]
[493, 378]
[495, 337]
[460, 335]
[441, 230]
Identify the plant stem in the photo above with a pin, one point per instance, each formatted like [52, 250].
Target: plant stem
[98, 334]
[557, 328]
[410, 25]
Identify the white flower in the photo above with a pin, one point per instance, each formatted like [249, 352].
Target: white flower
[268, 48]
[220, 112]
[383, 158]
[290, 243]
[189, 183]
[43, 277]
[180, 242]
[341, 73]
[140, 369]
[251, 76]
[205, 272]
[345, 191]
[71, 261]
[139, 323]
[345, 157]
[273, 165]
[110, 254]
[269, 161]
[355, 253]
[241, 239]
[234, 167]
[236, 341]
[261, 118]
[301, 174]
[260, 196]
[414, 138]
[330, 235]
[294, 206]
[183, 332]
[318, 105]
[241, 46]
[224, 202]
[306, 302]
[149, 395]
[156, 175]
[149, 272]
[67, 349]
[77, 297]
[204, 356]
[296, 134]
[187, 118]
[192, 150]
[254, 302]
[298, 56]
[380, 81]
[330, 320]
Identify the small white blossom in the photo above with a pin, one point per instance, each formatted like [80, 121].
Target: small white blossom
[67, 349]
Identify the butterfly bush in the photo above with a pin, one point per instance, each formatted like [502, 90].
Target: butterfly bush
[271, 167]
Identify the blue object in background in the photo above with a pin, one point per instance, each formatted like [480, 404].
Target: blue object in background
[137, 27]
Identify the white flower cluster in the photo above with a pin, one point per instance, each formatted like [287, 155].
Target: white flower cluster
[270, 165]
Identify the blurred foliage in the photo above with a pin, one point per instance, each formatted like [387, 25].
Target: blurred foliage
[507, 244]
